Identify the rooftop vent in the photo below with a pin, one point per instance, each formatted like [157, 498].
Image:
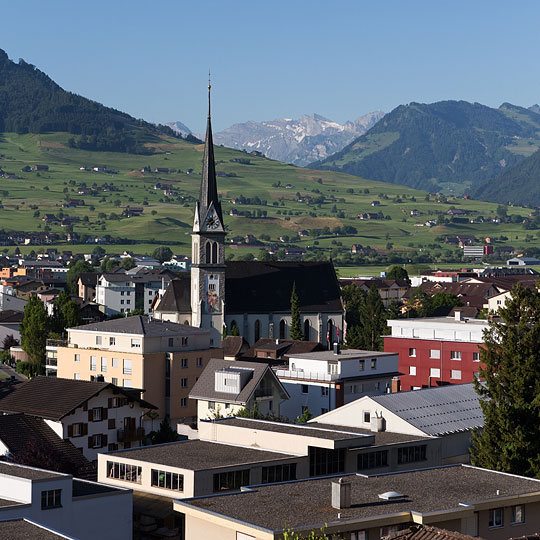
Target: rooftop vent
[341, 494]
[391, 495]
[336, 348]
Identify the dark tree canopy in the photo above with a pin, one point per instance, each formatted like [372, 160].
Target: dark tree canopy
[397, 272]
[296, 324]
[34, 329]
[162, 254]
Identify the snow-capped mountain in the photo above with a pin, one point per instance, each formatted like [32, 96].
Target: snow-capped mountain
[180, 128]
[301, 141]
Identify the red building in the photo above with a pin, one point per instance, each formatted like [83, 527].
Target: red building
[435, 351]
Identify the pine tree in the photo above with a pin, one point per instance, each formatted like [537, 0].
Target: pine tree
[296, 324]
[510, 394]
[34, 329]
[373, 317]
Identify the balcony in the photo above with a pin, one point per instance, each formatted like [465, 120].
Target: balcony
[57, 343]
[264, 393]
[306, 375]
[130, 435]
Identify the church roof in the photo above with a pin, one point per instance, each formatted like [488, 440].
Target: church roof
[263, 287]
[176, 298]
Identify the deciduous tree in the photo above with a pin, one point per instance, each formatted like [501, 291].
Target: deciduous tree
[34, 329]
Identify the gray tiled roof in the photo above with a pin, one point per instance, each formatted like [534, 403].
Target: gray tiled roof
[23, 529]
[29, 473]
[204, 388]
[437, 411]
[144, 326]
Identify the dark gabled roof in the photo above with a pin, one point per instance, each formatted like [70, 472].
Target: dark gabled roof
[205, 387]
[427, 532]
[141, 325]
[10, 316]
[53, 398]
[177, 297]
[89, 279]
[284, 347]
[17, 431]
[233, 345]
[262, 287]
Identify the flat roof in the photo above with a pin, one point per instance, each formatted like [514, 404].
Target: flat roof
[23, 529]
[333, 433]
[347, 354]
[438, 321]
[307, 503]
[29, 473]
[198, 455]
[82, 488]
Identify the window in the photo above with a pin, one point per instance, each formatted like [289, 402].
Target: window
[358, 535]
[412, 352]
[121, 302]
[183, 383]
[412, 370]
[227, 481]
[96, 441]
[411, 454]
[122, 471]
[455, 374]
[367, 417]
[127, 367]
[114, 380]
[282, 329]
[93, 363]
[51, 499]
[136, 342]
[77, 376]
[77, 358]
[518, 514]
[324, 461]
[199, 362]
[435, 353]
[455, 355]
[112, 341]
[211, 405]
[184, 362]
[98, 340]
[126, 383]
[305, 389]
[183, 402]
[324, 390]
[77, 430]
[114, 362]
[496, 517]
[373, 363]
[257, 330]
[372, 460]
[434, 372]
[103, 364]
[361, 365]
[167, 480]
[279, 473]
[97, 414]
[476, 356]
[184, 341]
[171, 342]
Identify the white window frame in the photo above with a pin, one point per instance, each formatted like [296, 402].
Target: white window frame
[455, 355]
[412, 352]
[496, 518]
[435, 373]
[412, 370]
[435, 354]
[518, 514]
[455, 374]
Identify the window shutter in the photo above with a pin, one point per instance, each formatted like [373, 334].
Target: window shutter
[84, 429]
[90, 441]
[104, 413]
[104, 440]
[70, 430]
[110, 403]
[112, 423]
[90, 416]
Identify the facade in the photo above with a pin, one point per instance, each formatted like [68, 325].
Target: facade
[322, 381]
[91, 415]
[461, 498]
[72, 507]
[226, 386]
[161, 358]
[436, 350]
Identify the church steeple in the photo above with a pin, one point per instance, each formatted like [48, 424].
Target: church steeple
[208, 194]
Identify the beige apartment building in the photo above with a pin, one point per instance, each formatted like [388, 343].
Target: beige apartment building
[162, 358]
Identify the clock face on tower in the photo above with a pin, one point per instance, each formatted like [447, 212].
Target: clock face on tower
[212, 222]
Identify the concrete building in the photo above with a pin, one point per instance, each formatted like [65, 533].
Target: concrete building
[461, 498]
[436, 350]
[91, 415]
[76, 508]
[322, 381]
[161, 358]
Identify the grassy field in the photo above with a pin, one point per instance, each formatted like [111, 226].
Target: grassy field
[168, 220]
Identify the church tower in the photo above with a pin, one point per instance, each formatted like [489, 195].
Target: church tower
[208, 249]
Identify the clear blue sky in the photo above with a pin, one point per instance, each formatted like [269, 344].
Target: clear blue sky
[279, 58]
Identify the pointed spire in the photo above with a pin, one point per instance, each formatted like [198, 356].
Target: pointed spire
[209, 194]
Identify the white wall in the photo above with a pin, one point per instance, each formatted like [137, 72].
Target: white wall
[439, 328]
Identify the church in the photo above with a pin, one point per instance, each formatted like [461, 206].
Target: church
[253, 297]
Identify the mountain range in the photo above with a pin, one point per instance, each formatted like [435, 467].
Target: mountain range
[301, 141]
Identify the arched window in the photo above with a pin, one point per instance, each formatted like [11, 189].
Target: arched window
[214, 253]
[282, 329]
[257, 330]
[207, 247]
[186, 322]
[307, 330]
[330, 333]
[234, 330]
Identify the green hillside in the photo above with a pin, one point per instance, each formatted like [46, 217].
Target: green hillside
[446, 146]
[290, 199]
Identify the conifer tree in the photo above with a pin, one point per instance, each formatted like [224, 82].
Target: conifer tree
[34, 329]
[510, 394]
[296, 324]
[373, 317]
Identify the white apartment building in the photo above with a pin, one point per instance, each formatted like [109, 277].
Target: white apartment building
[322, 381]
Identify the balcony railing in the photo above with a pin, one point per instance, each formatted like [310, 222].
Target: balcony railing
[57, 342]
[130, 435]
[263, 393]
[306, 375]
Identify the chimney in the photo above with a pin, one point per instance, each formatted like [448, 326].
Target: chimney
[396, 385]
[341, 494]
[377, 423]
[336, 347]
[458, 315]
